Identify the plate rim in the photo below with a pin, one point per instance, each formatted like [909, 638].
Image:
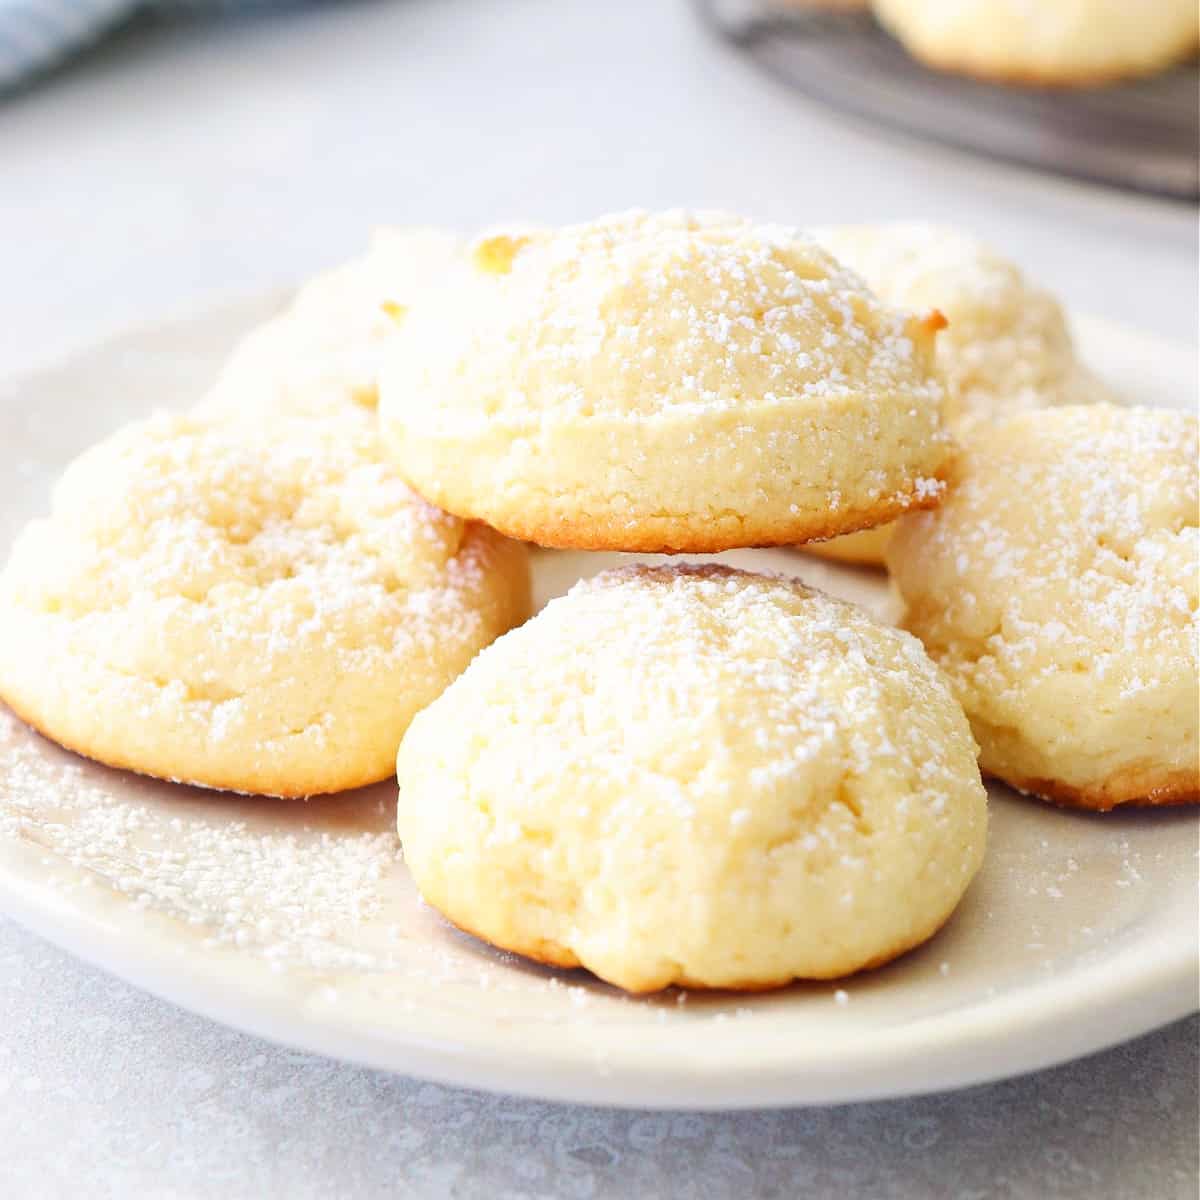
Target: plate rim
[1056, 1023]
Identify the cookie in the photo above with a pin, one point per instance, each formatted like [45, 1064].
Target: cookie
[665, 382]
[1007, 348]
[1057, 588]
[1050, 42]
[259, 606]
[322, 353]
[695, 776]
[865, 548]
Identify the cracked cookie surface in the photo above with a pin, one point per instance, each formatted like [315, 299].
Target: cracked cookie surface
[1007, 348]
[253, 605]
[664, 382]
[1058, 589]
[698, 776]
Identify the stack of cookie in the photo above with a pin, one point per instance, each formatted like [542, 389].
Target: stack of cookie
[682, 775]
[673, 774]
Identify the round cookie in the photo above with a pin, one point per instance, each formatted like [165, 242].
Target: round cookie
[1007, 348]
[1057, 587]
[664, 383]
[322, 353]
[867, 548]
[1049, 42]
[695, 776]
[258, 606]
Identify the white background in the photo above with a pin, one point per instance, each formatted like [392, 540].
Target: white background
[183, 163]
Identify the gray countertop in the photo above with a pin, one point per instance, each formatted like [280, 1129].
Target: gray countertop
[100, 1082]
[184, 162]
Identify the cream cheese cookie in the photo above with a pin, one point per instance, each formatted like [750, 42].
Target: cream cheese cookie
[1007, 348]
[695, 776]
[664, 382]
[258, 606]
[322, 353]
[868, 547]
[1057, 587]
[1063, 42]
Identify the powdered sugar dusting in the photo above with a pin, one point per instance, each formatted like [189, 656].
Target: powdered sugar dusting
[698, 311]
[702, 743]
[1061, 573]
[637, 342]
[823, 676]
[1115, 541]
[238, 587]
[1007, 347]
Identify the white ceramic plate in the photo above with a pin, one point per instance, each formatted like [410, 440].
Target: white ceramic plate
[297, 921]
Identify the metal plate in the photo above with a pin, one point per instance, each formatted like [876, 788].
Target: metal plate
[1143, 135]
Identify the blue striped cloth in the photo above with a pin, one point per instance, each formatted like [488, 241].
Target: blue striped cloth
[38, 34]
